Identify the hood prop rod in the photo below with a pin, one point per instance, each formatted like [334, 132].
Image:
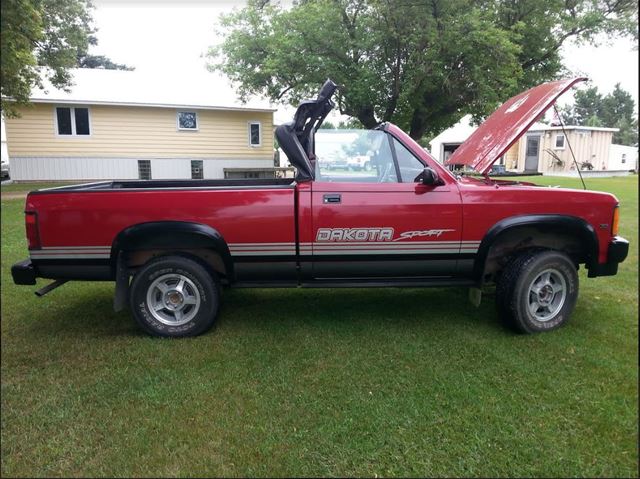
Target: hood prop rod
[555, 108]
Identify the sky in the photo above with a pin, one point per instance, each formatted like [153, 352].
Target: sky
[169, 39]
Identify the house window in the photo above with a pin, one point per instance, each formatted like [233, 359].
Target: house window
[71, 121]
[255, 135]
[144, 169]
[249, 173]
[187, 120]
[624, 158]
[196, 170]
[559, 142]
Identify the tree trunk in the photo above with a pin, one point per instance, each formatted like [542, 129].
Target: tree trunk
[419, 124]
[367, 117]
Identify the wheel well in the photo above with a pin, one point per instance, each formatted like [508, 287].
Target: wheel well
[129, 261]
[208, 257]
[139, 243]
[514, 241]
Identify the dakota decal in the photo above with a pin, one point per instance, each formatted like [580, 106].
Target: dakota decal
[373, 234]
[354, 234]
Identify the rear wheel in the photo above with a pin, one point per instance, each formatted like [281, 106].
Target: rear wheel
[174, 296]
[537, 291]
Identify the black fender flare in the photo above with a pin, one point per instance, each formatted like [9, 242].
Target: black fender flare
[572, 225]
[171, 235]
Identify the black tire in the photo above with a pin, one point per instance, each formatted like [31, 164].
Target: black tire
[199, 285]
[367, 166]
[516, 298]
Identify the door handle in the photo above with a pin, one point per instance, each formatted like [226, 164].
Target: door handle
[332, 198]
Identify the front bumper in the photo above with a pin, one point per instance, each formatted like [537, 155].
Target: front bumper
[24, 272]
[616, 254]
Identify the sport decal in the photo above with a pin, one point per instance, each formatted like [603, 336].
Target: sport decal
[414, 234]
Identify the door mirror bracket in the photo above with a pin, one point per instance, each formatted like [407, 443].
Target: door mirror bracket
[428, 177]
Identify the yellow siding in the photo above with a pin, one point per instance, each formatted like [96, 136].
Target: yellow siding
[511, 157]
[122, 131]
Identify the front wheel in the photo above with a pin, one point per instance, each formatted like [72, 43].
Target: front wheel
[537, 291]
[174, 296]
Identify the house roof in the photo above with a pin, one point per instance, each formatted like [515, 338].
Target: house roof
[459, 132]
[456, 133]
[206, 91]
[543, 127]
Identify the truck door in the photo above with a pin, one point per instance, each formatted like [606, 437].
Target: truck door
[371, 220]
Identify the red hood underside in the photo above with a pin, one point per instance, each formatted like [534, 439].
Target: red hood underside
[507, 124]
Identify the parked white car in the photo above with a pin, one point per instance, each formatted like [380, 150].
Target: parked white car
[360, 162]
[5, 170]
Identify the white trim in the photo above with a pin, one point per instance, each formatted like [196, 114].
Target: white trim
[572, 127]
[384, 251]
[65, 248]
[71, 256]
[179, 128]
[281, 249]
[72, 112]
[555, 141]
[250, 124]
[241, 245]
[264, 253]
[72, 252]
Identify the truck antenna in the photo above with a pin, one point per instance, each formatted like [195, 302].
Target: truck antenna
[555, 108]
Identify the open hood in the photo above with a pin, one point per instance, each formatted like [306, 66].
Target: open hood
[506, 125]
[296, 138]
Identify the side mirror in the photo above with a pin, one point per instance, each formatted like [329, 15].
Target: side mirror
[429, 177]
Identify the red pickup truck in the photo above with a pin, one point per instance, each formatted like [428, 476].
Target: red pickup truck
[400, 220]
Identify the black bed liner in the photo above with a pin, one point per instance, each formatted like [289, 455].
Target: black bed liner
[118, 185]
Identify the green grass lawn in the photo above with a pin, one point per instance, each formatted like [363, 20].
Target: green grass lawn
[411, 382]
[30, 186]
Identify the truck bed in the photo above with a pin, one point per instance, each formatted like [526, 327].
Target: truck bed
[173, 184]
[79, 225]
[145, 185]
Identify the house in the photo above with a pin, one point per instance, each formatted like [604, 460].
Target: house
[622, 157]
[443, 145]
[4, 152]
[117, 124]
[545, 149]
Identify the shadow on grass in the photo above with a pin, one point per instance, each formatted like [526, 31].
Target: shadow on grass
[89, 313]
[79, 310]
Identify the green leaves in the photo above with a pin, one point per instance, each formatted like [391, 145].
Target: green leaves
[44, 37]
[422, 65]
[614, 110]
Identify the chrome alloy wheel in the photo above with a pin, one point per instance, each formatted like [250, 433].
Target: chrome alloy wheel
[173, 299]
[547, 294]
